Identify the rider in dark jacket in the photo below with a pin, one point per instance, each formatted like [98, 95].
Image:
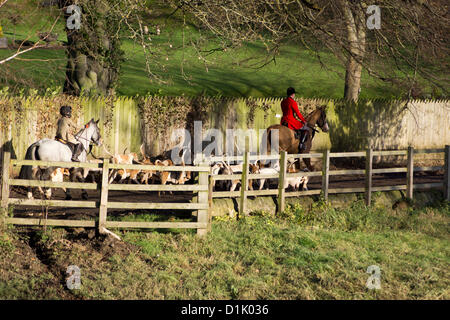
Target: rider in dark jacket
[66, 130]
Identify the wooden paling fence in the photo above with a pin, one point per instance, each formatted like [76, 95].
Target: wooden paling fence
[203, 186]
[200, 202]
[325, 173]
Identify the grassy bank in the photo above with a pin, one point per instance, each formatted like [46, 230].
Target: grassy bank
[184, 74]
[319, 253]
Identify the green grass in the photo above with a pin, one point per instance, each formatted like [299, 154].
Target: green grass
[294, 67]
[317, 253]
[232, 73]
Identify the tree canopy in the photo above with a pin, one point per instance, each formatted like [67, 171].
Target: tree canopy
[413, 35]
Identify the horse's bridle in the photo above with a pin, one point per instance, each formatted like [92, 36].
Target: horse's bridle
[90, 146]
[320, 125]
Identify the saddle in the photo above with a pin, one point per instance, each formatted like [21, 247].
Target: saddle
[71, 145]
[298, 134]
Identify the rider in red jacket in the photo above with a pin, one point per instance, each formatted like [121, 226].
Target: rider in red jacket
[293, 119]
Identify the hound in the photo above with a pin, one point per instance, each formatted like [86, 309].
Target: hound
[56, 176]
[164, 176]
[122, 159]
[295, 182]
[234, 169]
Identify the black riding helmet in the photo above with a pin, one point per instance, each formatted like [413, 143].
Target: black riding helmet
[290, 91]
[66, 111]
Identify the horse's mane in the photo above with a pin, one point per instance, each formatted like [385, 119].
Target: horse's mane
[83, 129]
[80, 132]
[308, 117]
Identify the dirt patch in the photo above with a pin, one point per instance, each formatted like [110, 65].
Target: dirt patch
[33, 263]
[22, 272]
[106, 246]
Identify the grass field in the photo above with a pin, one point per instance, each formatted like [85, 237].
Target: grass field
[317, 253]
[232, 73]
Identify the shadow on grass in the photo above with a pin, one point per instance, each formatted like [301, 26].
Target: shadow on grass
[155, 216]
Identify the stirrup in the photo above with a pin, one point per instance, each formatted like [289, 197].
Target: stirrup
[301, 147]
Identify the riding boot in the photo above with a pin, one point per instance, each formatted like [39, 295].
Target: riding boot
[303, 135]
[77, 152]
[299, 136]
[301, 147]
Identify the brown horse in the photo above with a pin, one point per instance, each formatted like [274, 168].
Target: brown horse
[289, 143]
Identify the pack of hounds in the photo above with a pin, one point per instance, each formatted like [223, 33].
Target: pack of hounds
[142, 176]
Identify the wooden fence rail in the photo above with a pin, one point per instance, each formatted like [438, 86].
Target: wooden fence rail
[203, 188]
[368, 172]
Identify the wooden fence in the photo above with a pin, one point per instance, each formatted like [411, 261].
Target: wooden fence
[127, 123]
[203, 187]
[325, 173]
[200, 202]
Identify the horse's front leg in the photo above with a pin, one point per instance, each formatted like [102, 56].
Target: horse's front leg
[83, 178]
[35, 175]
[307, 162]
[68, 195]
[79, 175]
[84, 194]
[72, 178]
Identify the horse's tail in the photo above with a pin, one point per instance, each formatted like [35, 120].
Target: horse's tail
[269, 137]
[26, 171]
[267, 147]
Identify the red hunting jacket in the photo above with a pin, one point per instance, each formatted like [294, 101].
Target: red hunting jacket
[291, 114]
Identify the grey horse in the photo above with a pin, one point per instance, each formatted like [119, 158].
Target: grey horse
[53, 150]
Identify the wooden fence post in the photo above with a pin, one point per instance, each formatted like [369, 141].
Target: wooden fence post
[2, 145]
[244, 186]
[325, 173]
[196, 162]
[281, 179]
[210, 200]
[410, 174]
[103, 197]
[369, 159]
[203, 215]
[447, 173]
[5, 178]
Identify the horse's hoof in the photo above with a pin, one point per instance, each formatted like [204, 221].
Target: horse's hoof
[68, 197]
[84, 196]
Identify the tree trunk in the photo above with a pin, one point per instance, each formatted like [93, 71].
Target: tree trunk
[352, 79]
[356, 37]
[85, 73]
[93, 51]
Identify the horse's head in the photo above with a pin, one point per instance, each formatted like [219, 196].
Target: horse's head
[93, 131]
[322, 120]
